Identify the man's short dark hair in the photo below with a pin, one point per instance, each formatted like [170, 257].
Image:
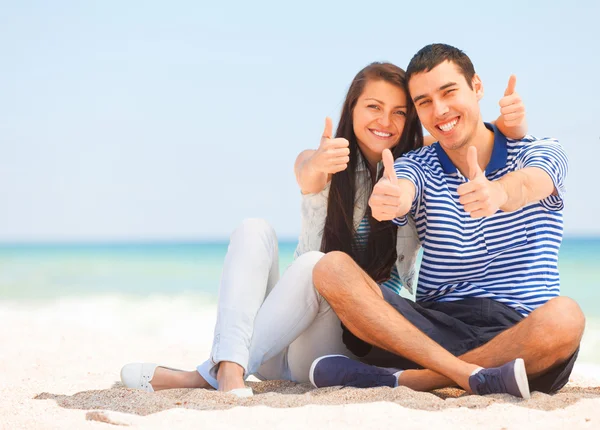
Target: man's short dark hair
[433, 55]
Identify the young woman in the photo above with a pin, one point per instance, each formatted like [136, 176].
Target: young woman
[272, 327]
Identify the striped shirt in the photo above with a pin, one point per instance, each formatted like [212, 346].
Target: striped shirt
[511, 257]
[360, 245]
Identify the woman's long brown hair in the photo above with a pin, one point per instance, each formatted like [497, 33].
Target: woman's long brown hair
[339, 233]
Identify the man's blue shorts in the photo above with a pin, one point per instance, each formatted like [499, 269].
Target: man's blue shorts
[458, 327]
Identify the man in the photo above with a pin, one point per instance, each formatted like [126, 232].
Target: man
[488, 212]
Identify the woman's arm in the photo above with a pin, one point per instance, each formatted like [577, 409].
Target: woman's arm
[314, 168]
[310, 180]
[512, 122]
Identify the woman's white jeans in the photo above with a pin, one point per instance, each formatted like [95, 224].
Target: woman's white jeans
[274, 328]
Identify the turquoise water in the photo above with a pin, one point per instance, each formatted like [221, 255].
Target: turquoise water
[42, 272]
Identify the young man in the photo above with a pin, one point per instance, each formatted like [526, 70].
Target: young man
[488, 212]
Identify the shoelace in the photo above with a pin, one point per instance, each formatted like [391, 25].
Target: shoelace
[489, 381]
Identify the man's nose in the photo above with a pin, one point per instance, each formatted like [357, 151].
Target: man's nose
[441, 109]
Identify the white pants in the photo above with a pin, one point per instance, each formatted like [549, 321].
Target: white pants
[274, 328]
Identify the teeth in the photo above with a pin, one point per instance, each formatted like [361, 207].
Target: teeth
[381, 134]
[449, 126]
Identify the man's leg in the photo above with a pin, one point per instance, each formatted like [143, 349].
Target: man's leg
[358, 302]
[546, 338]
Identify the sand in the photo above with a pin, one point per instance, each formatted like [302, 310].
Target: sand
[61, 365]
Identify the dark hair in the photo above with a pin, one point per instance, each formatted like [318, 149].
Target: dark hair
[433, 55]
[339, 232]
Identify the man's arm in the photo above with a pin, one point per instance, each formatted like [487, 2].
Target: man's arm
[544, 169]
[525, 186]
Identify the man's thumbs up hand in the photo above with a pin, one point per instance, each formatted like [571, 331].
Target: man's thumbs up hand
[473, 164]
[388, 166]
[480, 197]
[386, 198]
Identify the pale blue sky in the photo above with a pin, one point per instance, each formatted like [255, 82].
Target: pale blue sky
[140, 120]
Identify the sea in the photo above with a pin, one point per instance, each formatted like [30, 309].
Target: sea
[39, 273]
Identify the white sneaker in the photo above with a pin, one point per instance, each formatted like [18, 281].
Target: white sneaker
[138, 375]
[241, 392]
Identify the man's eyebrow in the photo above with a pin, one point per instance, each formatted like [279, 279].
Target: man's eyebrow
[416, 99]
[448, 85]
[380, 102]
[442, 88]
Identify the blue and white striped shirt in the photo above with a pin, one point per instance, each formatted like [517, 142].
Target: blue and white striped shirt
[509, 257]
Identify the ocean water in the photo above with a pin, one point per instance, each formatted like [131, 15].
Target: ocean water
[39, 273]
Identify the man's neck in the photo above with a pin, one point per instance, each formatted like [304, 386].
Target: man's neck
[483, 140]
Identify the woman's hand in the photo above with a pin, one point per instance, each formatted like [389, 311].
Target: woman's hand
[512, 122]
[333, 155]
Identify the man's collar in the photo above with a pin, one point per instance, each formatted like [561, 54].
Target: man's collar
[497, 161]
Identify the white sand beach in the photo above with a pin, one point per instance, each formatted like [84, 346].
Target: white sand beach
[61, 360]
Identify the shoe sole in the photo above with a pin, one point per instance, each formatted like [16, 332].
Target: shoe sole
[314, 364]
[241, 392]
[521, 378]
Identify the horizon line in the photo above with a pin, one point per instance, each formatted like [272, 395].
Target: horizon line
[180, 242]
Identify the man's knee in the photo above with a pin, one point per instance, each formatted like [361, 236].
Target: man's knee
[329, 269]
[564, 316]
[572, 315]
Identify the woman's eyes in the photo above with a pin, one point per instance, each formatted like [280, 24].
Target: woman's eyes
[400, 112]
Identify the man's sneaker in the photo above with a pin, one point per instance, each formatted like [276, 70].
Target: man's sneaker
[333, 370]
[510, 378]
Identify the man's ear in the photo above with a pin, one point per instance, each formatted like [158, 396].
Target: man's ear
[477, 86]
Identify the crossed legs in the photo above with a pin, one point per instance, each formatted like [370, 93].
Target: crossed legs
[546, 338]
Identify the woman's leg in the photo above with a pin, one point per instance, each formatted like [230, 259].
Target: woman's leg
[294, 326]
[250, 271]
[322, 337]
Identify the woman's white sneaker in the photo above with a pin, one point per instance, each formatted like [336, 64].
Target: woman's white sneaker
[138, 375]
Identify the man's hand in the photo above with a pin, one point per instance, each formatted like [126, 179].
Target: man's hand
[479, 196]
[385, 201]
[333, 155]
[512, 109]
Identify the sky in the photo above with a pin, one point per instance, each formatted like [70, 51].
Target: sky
[161, 121]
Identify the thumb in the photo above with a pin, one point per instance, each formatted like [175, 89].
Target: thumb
[328, 128]
[512, 83]
[473, 164]
[388, 166]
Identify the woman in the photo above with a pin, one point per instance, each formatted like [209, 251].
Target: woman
[274, 328]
